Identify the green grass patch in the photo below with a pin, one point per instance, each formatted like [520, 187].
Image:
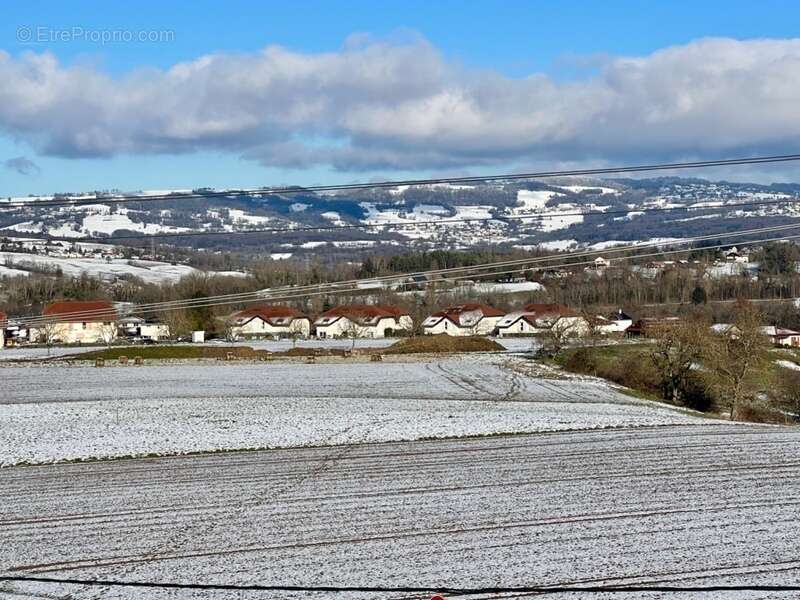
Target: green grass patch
[627, 365]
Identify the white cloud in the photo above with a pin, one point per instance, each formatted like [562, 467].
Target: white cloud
[376, 105]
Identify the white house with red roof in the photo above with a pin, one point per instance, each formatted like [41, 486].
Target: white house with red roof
[534, 319]
[270, 321]
[362, 321]
[464, 319]
[76, 322]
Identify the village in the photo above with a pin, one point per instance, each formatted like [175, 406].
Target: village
[103, 322]
[99, 322]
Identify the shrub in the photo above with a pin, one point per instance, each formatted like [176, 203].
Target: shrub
[581, 360]
[756, 412]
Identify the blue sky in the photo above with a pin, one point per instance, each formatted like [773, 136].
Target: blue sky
[475, 41]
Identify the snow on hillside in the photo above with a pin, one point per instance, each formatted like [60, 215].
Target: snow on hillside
[586, 188]
[441, 206]
[147, 270]
[538, 200]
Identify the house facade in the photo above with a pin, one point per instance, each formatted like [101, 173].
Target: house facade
[362, 321]
[270, 321]
[77, 322]
[135, 327]
[616, 323]
[781, 336]
[3, 325]
[535, 319]
[463, 320]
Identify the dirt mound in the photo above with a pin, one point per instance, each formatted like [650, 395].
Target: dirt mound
[442, 344]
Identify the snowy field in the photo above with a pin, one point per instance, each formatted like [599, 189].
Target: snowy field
[60, 412]
[683, 506]
[33, 353]
[148, 270]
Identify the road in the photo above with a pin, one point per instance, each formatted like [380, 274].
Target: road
[684, 505]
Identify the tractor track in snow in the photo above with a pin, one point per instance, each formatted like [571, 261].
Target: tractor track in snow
[728, 494]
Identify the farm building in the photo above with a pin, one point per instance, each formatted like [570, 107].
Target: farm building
[270, 321]
[540, 318]
[464, 319]
[362, 321]
[76, 322]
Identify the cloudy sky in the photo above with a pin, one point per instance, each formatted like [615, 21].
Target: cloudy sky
[147, 97]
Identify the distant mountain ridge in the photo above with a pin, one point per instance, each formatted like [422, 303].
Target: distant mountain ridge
[401, 216]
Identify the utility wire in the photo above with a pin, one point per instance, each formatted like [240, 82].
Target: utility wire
[330, 287]
[357, 285]
[341, 287]
[126, 198]
[433, 589]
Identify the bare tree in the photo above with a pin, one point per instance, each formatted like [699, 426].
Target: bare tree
[733, 359]
[48, 333]
[108, 332]
[559, 333]
[353, 331]
[231, 331]
[593, 329]
[296, 331]
[787, 392]
[678, 348]
[177, 322]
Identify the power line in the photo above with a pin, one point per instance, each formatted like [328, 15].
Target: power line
[356, 285]
[346, 286]
[125, 198]
[401, 225]
[418, 589]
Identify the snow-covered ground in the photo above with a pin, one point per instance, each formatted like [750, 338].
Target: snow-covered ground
[788, 364]
[148, 270]
[680, 506]
[32, 353]
[35, 352]
[58, 412]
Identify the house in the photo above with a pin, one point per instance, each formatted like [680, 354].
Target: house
[3, 325]
[136, 327]
[619, 322]
[782, 337]
[416, 282]
[734, 255]
[154, 331]
[270, 321]
[536, 319]
[14, 333]
[76, 322]
[727, 329]
[464, 319]
[651, 327]
[362, 321]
